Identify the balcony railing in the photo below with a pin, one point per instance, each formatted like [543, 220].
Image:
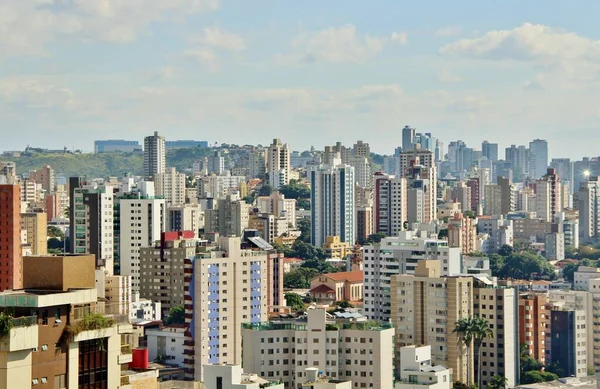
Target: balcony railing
[24, 321]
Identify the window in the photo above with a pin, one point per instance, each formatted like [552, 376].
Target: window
[44, 347]
[44, 380]
[35, 381]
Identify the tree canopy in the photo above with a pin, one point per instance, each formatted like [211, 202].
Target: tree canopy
[176, 316]
[522, 266]
[294, 301]
[299, 278]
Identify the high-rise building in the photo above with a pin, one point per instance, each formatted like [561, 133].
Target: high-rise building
[409, 158]
[548, 196]
[92, 221]
[155, 155]
[362, 171]
[215, 164]
[518, 156]
[278, 164]
[490, 150]
[35, 224]
[460, 193]
[408, 138]
[258, 163]
[462, 233]
[171, 186]
[538, 158]
[533, 324]
[230, 218]
[185, 217]
[10, 236]
[216, 187]
[390, 205]
[336, 346]
[361, 149]
[44, 177]
[277, 205]
[589, 209]
[399, 255]
[161, 276]
[142, 219]
[493, 200]
[499, 230]
[224, 288]
[421, 193]
[565, 169]
[332, 203]
[424, 308]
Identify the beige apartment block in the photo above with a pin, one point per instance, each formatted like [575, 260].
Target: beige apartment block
[425, 308]
[36, 225]
[342, 349]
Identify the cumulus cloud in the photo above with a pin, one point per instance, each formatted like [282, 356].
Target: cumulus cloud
[26, 27]
[334, 44]
[400, 38]
[528, 42]
[219, 39]
[448, 31]
[35, 94]
[206, 57]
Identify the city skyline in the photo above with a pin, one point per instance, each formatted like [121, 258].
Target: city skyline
[75, 72]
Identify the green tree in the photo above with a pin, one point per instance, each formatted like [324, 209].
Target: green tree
[375, 238]
[176, 316]
[460, 385]
[473, 331]
[555, 368]
[525, 266]
[55, 232]
[533, 376]
[299, 278]
[471, 214]
[304, 227]
[321, 266]
[55, 245]
[443, 233]
[295, 189]
[294, 301]
[265, 190]
[505, 250]
[569, 270]
[498, 382]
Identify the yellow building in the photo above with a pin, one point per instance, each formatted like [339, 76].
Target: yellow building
[335, 248]
[36, 225]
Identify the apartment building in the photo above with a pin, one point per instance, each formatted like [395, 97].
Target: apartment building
[35, 225]
[155, 156]
[343, 349]
[390, 204]
[185, 217]
[277, 205]
[140, 220]
[50, 344]
[400, 255]
[229, 218]
[161, 277]
[533, 324]
[10, 235]
[462, 233]
[170, 185]
[278, 164]
[225, 287]
[424, 308]
[417, 368]
[166, 344]
[499, 354]
[499, 230]
[216, 187]
[548, 196]
[92, 221]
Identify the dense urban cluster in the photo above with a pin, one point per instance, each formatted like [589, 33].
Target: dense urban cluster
[333, 268]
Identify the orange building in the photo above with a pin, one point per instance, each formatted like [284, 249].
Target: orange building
[11, 259]
[533, 324]
[332, 287]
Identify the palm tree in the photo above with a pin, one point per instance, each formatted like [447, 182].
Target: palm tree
[480, 328]
[497, 382]
[464, 329]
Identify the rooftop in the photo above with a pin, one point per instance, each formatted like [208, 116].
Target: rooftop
[350, 276]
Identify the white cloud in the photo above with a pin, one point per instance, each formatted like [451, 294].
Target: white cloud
[206, 57]
[335, 45]
[27, 26]
[35, 94]
[400, 38]
[528, 42]
[448, 31]
[448, 77]
[219, 39]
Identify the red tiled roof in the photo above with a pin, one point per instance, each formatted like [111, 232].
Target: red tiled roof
[350, 276]
[292, 260]
[322, 289]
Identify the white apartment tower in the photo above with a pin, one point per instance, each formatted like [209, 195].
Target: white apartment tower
[333, 206]
[589, 209]
[171, 186]
[538, 158]
[142, 220]
[343, 349]
[391, 204]
[224, 289]
[155, 155]
[548, 196]
[400, 255]
[278, 164]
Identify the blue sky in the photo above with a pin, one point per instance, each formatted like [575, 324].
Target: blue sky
[308, 72]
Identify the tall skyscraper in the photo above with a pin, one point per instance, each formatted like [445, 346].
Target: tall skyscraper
[11, 258]
[565, 170]
[155, 155]
[408, 138]
[548, 196]
[538, 158]
[92, 221]
[490, 150]
[278, 164]
[258, 163]
[519, 158]
[36, 224]
[589, 209]
[390, 202]
[332, 203]
[215, 164]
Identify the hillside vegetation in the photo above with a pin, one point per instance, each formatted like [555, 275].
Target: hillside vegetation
[102, 165]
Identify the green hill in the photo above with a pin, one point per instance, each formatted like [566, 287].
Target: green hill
[102, 165]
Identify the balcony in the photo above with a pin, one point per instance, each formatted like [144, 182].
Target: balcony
[22, 336]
